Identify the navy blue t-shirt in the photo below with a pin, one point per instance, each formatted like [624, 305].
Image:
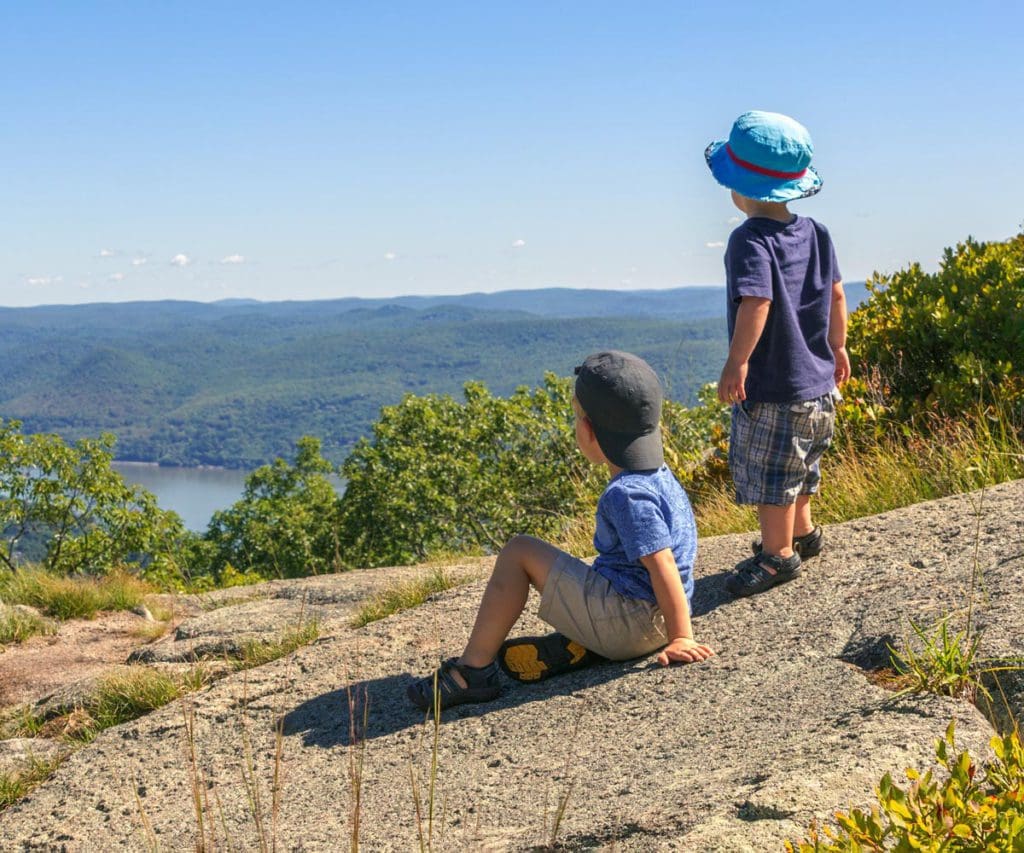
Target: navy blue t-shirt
[794, 265]
[639, 514]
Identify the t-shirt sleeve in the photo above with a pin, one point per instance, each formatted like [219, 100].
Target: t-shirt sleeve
[836, 275]
[828, 251]
[639, 522]
[748, 267]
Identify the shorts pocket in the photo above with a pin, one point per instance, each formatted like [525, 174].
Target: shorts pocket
[748, 408]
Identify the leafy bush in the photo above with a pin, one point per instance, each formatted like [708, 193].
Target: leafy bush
[948, 340]
[284, 525]
[442, 477]
[87, 519]
[968, 811]
[696, 441]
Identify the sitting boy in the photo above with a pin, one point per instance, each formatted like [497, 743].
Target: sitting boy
[636, 596]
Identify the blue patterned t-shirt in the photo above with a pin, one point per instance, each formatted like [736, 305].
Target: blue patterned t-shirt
[640, 513]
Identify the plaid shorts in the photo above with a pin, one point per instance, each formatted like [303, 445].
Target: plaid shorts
[775, 448]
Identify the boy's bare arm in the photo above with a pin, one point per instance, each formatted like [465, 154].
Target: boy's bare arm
[837, 332]
[751, 317]
[668, 590]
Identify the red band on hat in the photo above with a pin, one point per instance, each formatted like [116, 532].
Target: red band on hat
[771, 173]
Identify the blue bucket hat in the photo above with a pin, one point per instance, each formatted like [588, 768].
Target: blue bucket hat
[767, 157]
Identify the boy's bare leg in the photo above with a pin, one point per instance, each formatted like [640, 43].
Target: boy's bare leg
[802, 524]
[777, 528]
[525, 561]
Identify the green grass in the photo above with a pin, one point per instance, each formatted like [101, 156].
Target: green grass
[72, 597]
[118, 698]
[258, 652]
[898, 470]
[16, 627]
[405, 595]
[19, 783]
[127, 696]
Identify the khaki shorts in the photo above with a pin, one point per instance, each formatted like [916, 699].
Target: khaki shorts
[584, 606]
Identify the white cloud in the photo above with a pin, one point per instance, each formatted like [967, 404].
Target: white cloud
[715, 244]
[180, 260]
[117, 276]
[84, 285]
[390, 256]
[43, 280]
[233, 259]
[139, 262]
[518, 244]
[733, 220]
[107, 253]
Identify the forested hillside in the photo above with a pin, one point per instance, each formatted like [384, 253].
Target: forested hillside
[237, 383]
[189, 384]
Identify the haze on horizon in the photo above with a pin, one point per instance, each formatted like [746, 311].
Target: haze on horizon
[206, 152]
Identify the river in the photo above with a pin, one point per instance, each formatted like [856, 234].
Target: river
[194, 493]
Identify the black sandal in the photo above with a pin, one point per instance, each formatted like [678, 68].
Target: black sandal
[753, 574]
[482, 685]
[536, 658]
[807, 546]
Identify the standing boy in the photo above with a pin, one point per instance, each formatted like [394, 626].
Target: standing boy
[636, 596]
[787, 341]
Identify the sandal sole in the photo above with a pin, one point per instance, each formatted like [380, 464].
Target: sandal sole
[532, 659]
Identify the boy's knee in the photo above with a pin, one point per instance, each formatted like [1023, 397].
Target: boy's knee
[520, 544]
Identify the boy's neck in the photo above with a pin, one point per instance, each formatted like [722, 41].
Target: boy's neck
[613, 470]
[776, 210]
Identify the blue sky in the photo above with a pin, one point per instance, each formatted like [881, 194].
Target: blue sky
[316, 150]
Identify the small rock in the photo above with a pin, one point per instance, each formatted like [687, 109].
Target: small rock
[143, 611]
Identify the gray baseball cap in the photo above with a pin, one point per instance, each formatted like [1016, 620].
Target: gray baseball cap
[621, 396]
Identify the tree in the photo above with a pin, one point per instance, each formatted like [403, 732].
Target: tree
[85, 517]
[442, 477]
[285, 524]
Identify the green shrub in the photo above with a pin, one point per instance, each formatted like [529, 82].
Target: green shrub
[949, 340]
[82, 514]
[440, 476]
[973, 809]
[285, 524]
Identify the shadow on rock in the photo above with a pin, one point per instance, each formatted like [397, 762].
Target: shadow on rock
[381, 705]
[709, 592]
[337, 718]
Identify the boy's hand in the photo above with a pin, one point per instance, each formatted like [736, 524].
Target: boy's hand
[842, 364]
[731, 386]
[684, 650]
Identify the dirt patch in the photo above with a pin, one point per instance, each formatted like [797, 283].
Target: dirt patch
[80, 649]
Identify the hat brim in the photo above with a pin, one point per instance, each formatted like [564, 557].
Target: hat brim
[631, 452]
[752, 185]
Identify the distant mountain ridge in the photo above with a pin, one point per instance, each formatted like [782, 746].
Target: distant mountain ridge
[236, 383]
